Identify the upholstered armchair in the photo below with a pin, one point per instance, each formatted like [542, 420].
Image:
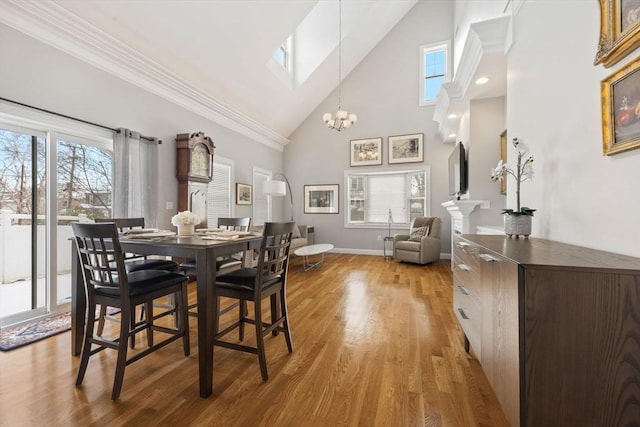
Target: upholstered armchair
[422, 245]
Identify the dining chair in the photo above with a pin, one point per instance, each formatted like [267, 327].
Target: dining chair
[267, 280]
[225, 263]
[134, 262]
[107, 282]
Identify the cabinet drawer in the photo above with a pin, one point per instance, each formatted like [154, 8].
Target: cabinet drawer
[467, 252]
[469, 313]
[468, 275]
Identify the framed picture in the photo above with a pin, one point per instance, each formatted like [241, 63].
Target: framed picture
[620, 93]
[243, 194]
[366, 152]
[619, 30]
[406, 148]
[322, 198]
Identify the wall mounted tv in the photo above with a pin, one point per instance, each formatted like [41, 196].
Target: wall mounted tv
[458, 171]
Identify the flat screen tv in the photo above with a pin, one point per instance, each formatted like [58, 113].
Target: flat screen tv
[458, 171]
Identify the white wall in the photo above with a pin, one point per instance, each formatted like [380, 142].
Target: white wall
[553, 104]
[383, 91]
[37, 74]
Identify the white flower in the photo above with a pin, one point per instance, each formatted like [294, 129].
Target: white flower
[522, 172]
[185, 218]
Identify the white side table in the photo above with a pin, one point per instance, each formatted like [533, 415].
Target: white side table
[310, 250]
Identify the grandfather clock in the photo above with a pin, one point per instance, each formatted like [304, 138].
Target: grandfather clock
[194, 170]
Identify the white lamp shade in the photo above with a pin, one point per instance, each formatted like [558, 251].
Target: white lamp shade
[274, 188]
[341, 114]
[326, 117]
[353, 118]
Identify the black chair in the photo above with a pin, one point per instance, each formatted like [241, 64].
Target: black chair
[226, 262]
[108, 283]
[136, 262]
[133, 262]
[268, 279]
[223, 264]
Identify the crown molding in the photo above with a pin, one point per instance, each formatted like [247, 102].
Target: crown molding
[52, 24]
[490, 37]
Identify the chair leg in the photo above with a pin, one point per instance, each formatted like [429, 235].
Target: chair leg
[101, 316]
[121, 362]
[86, 345]
[148, 306]
[182, 304]
[285, 322]
[242, 317]
[260, 340]
[275, 300]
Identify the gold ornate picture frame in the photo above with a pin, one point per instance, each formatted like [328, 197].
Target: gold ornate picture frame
[620, 94]
[619, 30]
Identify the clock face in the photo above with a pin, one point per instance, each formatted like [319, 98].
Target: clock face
[200, 161]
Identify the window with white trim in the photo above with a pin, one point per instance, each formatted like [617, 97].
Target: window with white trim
[219, 198]
[434, 71]
[371, 195]
[284, 54]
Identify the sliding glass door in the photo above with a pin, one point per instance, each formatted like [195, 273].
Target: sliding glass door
[48, 179]
[23, 216]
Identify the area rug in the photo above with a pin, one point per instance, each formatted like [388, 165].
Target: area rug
[21, 335]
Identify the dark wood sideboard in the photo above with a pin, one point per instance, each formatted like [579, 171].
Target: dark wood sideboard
[556, 328]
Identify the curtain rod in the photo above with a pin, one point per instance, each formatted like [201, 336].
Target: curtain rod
[72, 118]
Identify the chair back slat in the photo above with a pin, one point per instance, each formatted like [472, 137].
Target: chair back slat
[124, 224]
[273, 260]
[234, 224]
[101, 256]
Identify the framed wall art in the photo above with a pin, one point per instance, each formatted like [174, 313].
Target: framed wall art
[620, 93]
[406, 148]
[619, 30]
[366, 152]
[244, 194]
[322, 198]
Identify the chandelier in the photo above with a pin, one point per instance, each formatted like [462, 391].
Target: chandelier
[342, 119]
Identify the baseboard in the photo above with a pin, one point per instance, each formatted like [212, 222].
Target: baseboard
[376, 252]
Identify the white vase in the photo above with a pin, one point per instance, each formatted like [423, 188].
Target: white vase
[517, 225]
[186, 230]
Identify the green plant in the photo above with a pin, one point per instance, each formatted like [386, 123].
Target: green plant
[523, 171]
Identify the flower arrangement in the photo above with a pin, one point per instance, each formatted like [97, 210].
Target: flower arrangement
[185, 218]
[523, 171]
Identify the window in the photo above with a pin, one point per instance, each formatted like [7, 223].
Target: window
[219, 191]
[370, 196]
[434, 70]
[283, 55]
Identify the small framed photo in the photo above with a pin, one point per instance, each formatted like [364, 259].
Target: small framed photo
[366, 152]
[322, 198]
[244, 194]
[406, 148]
[621, 109]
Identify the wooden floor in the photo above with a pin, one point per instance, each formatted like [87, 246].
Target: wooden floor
[375, 344]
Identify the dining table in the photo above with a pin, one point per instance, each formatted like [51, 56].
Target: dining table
[201, 247]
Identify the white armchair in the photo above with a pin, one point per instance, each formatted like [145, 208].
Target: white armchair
[420, 249]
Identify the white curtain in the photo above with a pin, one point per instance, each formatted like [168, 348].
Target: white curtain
[135, 178]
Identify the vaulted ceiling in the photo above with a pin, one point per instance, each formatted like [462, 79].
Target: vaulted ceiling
[214, 56]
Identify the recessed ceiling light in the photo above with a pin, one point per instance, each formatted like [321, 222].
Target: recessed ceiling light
[452, 116]
[452, 135]
[482, 80]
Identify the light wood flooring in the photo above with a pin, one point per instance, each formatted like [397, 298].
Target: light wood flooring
[375, 344]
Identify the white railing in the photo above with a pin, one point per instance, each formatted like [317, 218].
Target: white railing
[15, 246]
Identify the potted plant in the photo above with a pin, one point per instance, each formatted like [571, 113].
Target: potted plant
[186, 222]
[517, 222]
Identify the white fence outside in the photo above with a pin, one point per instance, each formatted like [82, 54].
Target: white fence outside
[15, 246]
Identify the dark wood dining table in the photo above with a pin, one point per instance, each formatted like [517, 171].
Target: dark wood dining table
[204, 251]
